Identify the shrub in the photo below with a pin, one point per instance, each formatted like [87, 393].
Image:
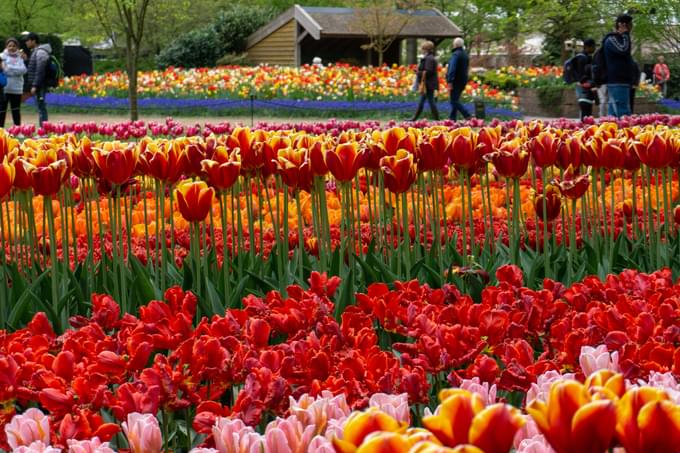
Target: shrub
[234, 25]
[196, 48]
[227, 35]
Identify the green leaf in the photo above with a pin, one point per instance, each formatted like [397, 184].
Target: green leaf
[143, 283]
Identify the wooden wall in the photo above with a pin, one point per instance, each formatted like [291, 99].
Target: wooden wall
[277, 48]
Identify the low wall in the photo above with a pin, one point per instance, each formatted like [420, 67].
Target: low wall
[561, 102]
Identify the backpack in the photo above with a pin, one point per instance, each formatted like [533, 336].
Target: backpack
[599, 66]
[53, 72]
[569, 71]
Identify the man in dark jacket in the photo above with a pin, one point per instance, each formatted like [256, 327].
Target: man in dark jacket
[37, 72]
[457, 77]
[428, 77]
[620, 66]
[584, 83]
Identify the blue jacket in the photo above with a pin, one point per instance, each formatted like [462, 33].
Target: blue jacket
[457, 73]
[621, 69]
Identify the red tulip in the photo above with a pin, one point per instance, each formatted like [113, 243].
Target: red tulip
[465, 152]
[433, 152]
[612, 154]
[167, 162]
[510, 160]
[294, 167]
[194, 200]
[569, 152]
[553, 203]
[7, 173]
[573, 186]
[117, 162]
[399, 171]
[222, 175]
[46, 180]
[543, 148]
[657, 150]
[345, 161]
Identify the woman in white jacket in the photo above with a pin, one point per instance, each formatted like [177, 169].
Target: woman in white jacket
[12, 60]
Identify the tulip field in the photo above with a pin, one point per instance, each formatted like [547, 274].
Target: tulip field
[341, 287]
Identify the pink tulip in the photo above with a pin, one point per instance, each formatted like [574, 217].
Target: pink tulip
[319, 411]
[527, 432]
[27, 428]
[595, 359]
[665, 381]
[143, 433]
[93, 445]
[287, 436]
[541, 388]
[320, 445]
[395, 406]
[536, 444]
[36, 447]
[488, 393]
[233, 436]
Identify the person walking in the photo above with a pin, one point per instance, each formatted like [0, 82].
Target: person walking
[457, 77]
[427, 80]
[621, 68]
[585, 96]
[37, 72]
[12, 62]
[661, 75]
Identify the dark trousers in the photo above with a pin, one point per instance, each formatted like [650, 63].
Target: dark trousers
[429, 97]
[14, 102]
[42, 107]
[454, 98]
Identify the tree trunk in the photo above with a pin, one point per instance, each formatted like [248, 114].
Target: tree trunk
[132, 80]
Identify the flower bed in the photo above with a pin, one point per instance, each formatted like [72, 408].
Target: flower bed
[239, 287]
[287, 356]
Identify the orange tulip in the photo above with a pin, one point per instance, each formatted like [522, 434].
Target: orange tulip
[606, 383]
[116, 161]
[572, 422]
[399, 171]
[553, 203]
[648, 421]
[543, 148]
[194, 200]
[7, 173]
[222, 175]
[385, 442]
[361, 424]
[462, 419]
[430, 447]
[345, 161]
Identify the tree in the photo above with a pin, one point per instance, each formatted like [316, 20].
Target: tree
[128, 16]
[382, 22]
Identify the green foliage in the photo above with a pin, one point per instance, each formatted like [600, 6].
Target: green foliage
[196, 48]
[118, 64]
[227, 35]
[235, 24]
[674, 82]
